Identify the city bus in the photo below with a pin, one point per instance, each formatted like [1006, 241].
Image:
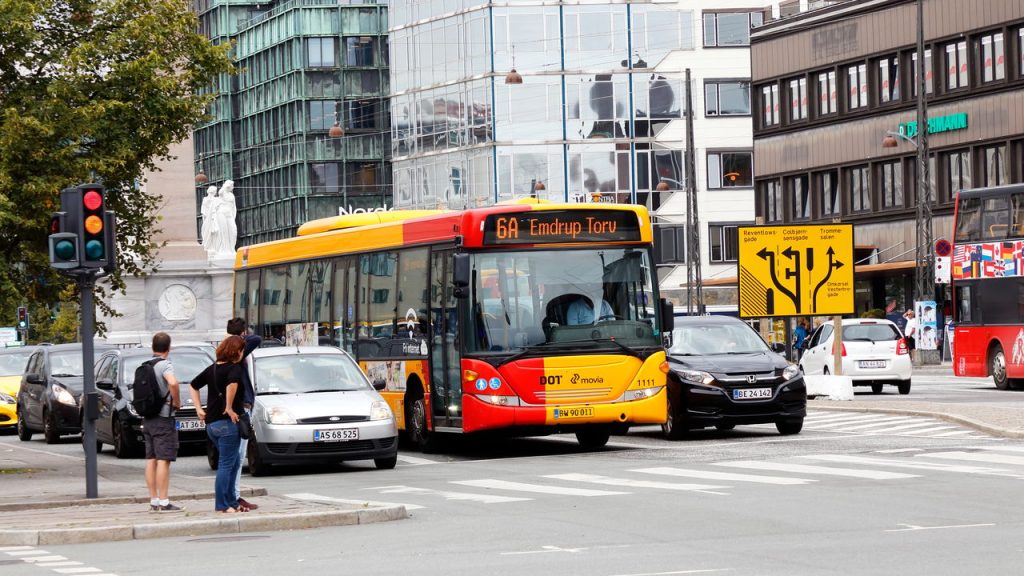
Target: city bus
[528, 317]
[988, 284]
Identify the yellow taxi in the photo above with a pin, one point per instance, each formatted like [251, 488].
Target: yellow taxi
[12, 366]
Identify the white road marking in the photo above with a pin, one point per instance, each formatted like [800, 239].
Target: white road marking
[931, 431]
[629, 483]
[726, 476]
[29, 552]
[43, 558]
[960, 432]
[826, 470]
[999, 448]
[534, 488]
[10, 549]
[679, 572]
[909, 464]
[414, 461]
[82, 570]
[841, 421]
[909, 428]
[318, 498]
[911, 527]
[464, 496]
[549, 549]
[883, 422]
[56, 564]
[975, 457]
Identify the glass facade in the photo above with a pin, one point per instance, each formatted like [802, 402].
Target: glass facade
[302, 66]
[586, 124]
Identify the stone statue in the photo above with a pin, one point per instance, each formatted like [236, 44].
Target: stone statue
[219, 231]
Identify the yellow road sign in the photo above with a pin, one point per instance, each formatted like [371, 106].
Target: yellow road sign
[796, 270]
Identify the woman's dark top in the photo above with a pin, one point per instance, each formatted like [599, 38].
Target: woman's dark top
[217, 377]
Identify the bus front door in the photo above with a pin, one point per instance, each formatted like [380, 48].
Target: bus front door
[445, 361]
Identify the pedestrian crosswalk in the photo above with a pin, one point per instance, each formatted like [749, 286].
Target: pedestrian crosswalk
[877, 424]
[724, 478]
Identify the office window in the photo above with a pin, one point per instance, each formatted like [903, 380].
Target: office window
[320, 52]
[857, 86]
[957, 171]
[730, 170]
[770, 105]
[828, 184]
[730, 28]
[670, 244]
[828, 93]
[798, 98]
[772, 193]
[956, 65]
[859, 184]
[801, 195]
[322, 114]
[929, 74]
[724, 242]
[995, 171]
[324, 178]
[727, 98]
[889, 79]
[360, 51]
[891, 179]
[993, 57]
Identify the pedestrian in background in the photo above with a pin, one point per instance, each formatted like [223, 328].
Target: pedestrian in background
[239, 327]
[912, 330]
[159, 432]
[799, 336]
[224, 402]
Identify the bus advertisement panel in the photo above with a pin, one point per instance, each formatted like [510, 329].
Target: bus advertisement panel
[528, 317]
[988, 284]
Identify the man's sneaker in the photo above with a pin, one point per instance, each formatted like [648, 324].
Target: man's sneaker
[171, 508]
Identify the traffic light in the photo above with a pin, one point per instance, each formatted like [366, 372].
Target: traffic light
[93, 247]
[63, 243]
[22, 318]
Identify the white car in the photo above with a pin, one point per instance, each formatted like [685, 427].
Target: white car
[874, 353]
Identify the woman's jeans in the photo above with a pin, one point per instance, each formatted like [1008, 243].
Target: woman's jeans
[224, 434]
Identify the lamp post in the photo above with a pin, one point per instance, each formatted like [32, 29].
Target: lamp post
[694, 289]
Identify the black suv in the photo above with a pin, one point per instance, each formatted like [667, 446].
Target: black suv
[51, 390]
[118, 424]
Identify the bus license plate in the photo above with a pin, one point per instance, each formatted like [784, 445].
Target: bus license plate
[751, 393]
[342, 435]
[872, 363]
[188, 425]
[563, 413]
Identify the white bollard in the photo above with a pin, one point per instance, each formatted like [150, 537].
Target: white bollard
[832, 387]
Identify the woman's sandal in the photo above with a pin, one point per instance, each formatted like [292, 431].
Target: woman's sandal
[227, 511]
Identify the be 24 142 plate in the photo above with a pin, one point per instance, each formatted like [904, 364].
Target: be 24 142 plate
[751, 393]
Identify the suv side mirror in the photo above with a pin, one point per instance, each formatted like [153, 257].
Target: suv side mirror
[668, 316]
[104, 385]
[778, 347]
[34, 379]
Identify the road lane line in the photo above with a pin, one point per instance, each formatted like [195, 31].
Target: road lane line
[912, 528]
[826, 470]
[954, 433]
[725, 476]
[630, 483]
[56, 564]
[842, 420]
[910, 428]
[43, 558]
[82, 570]
[464, 496]
[934, 466]
[414, 461]
[706, 571]
[319, 498]
[495, 484]
[884, 422]
[975, 457]
[9, 549]
[29, 552]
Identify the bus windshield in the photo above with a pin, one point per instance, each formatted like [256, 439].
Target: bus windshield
[525, 299]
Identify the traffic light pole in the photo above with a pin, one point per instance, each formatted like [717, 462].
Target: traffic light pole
[86, 284]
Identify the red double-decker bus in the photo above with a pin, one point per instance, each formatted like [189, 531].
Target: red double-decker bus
[529, 317]
[988, 284]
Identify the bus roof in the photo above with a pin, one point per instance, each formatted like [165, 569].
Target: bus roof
[523, 224]
[992, 191]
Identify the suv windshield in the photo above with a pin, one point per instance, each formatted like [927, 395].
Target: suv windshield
[525, 299]
[297, 373]
[695, 339]
[871, 332]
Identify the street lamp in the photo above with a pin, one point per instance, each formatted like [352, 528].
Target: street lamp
[694, 288]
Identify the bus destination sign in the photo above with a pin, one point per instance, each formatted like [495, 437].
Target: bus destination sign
[561, 227]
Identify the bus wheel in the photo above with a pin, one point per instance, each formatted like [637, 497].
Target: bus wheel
[997, 365]
[593, 437]
[416, 426]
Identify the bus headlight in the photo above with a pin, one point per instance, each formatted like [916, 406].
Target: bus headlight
[6, 398]
[380, 411]
[644, 393]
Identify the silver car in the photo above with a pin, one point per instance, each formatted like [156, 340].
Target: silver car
[314, 404]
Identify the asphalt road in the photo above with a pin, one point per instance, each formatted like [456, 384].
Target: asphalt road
[852, 494]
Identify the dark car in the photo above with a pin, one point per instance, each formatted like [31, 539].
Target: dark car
[118, 424]
[723, 374]
[51, 390]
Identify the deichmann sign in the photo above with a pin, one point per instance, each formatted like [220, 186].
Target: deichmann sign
[937, 125]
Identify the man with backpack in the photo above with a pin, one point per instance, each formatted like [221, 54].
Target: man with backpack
[155, 397]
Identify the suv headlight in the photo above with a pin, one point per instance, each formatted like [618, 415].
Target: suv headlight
[380, 411]
[791, 371]
[279, 415]
[6, 398]
[696, 376]
[63, 396]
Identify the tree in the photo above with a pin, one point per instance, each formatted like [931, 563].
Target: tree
[92, 90]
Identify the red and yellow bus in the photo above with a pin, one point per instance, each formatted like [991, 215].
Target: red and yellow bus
[988, 284]
[528, 317]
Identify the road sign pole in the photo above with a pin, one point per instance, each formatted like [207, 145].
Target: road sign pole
[837, 345]
[86, 283]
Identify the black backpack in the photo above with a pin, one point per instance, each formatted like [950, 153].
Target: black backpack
[146, 397]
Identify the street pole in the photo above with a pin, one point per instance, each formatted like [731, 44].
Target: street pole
[924, 272]
[86, 283]
[694, 292]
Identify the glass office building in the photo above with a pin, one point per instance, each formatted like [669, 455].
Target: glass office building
[583, 125]
[302, 66]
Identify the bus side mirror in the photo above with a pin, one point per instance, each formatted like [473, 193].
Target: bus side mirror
[668, 316]
[460, 274]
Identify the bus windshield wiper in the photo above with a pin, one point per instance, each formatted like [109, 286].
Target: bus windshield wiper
[627, 349]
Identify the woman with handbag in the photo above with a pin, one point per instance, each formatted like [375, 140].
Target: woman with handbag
[223, 405]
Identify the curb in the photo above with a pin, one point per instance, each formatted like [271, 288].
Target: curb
[970, 422]
[202, 527]
[119, 500]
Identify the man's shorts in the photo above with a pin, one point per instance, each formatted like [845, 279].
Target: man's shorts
[161, 437]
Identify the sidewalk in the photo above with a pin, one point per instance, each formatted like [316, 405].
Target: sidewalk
[42, 501]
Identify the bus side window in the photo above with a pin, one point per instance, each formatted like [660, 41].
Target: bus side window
[1017, 214]
[968, 224]
[995, 219]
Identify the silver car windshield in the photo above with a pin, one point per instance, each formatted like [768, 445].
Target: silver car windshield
[13, 364]
[186, 364]
[708, 339]
[295, 374]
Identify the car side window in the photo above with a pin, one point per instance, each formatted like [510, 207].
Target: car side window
[34, 364]
[814, 337]
[103, 369]
[826, 331]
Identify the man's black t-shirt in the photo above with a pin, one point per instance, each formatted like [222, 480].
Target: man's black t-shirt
[217, 377]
